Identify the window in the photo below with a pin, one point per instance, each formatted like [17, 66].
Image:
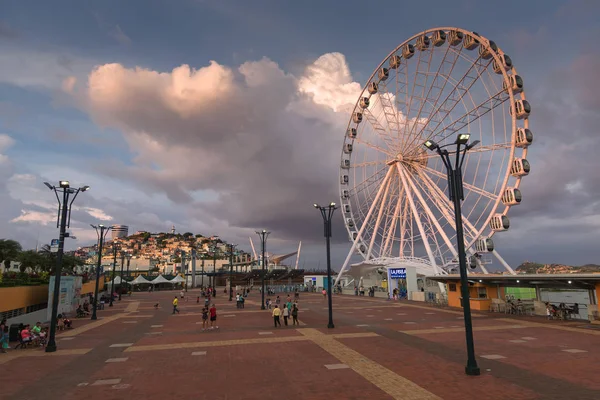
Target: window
[452, 287]
[482, 292]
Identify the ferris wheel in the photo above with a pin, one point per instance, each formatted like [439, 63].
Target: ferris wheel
[394, 196]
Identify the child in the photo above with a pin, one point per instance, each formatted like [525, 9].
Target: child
[204, 318]
[295, 315]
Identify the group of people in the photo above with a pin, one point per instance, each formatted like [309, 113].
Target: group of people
[287, 310]
[562, 311]
[35, 335]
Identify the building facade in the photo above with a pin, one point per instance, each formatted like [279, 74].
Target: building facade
[119, 231]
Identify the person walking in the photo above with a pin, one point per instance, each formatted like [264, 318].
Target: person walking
[213, 317]
[276, 314]
[204, 318]
[286, 315]
[4, 335]
[175, 303]
[295, 315]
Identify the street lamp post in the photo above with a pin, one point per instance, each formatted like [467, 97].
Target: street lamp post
[101, 235]
[112, 285]
[231, 246]
[128, 262]
[327, 214]
[214, 277]
[263, 240]
[121, 276]
[455, 186]
[63, 222]
[203, 256]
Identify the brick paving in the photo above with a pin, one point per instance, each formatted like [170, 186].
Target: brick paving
[378, 350]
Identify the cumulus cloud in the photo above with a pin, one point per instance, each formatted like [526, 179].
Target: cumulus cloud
[261, 138]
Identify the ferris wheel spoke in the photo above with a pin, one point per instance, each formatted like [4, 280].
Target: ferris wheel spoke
[469, 186]
[381, 131]
[456, 95]
[363, 226]
[367, 182]
[379, 215]
[412, 93]
[390, 113]
[429, 213]
[417, 219]
[391, 231]
[472, 115]
[374, 147]
[369, 164]
[424, 97]
[443, 203]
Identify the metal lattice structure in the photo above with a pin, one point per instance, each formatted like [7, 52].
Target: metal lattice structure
[435, 85]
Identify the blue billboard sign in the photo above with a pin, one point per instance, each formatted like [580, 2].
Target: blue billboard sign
[397, 273]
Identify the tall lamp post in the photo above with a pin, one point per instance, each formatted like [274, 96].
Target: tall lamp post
[101, 231]
[231, 247]
[63, 222]
[327, 213]
[128, 262]
[455, 186]
[214, 277]
[202, 256]
[112, 286]
[121, 275]
[263, 240]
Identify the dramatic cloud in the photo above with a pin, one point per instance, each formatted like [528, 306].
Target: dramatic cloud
[263, 142]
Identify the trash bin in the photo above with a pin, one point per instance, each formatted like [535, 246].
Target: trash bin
[13, 332]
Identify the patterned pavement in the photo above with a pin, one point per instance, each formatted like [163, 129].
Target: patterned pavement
[378, 350]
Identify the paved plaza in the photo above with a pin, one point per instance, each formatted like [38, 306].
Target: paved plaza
[378, 350]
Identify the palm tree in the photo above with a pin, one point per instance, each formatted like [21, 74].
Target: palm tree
[9, 251]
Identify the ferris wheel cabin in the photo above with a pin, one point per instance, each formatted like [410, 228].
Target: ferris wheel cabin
[348, 148]
[506, 64]
[516, 84]
[345, 193]
[372, 88]
[351, 133]
[344, 179]
[357, 117]
[408, 51]
[520, 167]
[486, 52]
[438, 38]
[523, 109]
[484, 245]
[350, 223]
[423, 42]
[499, 223]
[456, 37]
[395, 62]
[511, 197]
[346, 164]
[471, 42]
[383, 74]
[364, 102]
[523, 138]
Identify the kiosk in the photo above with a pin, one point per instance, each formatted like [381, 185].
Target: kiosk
[402, 278]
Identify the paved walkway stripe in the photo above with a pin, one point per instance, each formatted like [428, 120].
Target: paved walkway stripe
[529, 324]
[391, 383]
[90, 326]
[133, 306]
[237, 342]
[461, 329]
[41, 353]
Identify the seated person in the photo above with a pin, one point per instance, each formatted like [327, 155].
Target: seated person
[26, 336]
[81, 312]
[86, 307]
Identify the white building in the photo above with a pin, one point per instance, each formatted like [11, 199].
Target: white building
[119, 231]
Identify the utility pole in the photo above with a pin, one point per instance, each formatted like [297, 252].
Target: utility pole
[101, 235]
[263, 239]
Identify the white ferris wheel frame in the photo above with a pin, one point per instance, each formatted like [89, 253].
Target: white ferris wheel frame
[419, 186]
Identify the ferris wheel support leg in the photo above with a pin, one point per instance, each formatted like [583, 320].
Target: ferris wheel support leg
[504, 263]
[379, 215]
[362, 228]
[432, 217]
[418, 220]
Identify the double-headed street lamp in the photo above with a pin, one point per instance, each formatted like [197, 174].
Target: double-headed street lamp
[455, 187]
[214, 277]
[327, 214]
[112, 286]
[101, 231]
[121, 277]
[128, 262]
[63, 222]
[263, 240]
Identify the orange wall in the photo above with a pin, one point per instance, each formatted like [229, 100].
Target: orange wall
[12, 298]
[492, 293]
[598, 292]
[90, 287]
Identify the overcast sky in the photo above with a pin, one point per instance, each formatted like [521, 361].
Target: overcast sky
[224, 117]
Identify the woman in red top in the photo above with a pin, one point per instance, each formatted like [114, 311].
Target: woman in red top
[213, 316]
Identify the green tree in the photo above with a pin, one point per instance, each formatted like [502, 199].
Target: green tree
[32, 260]
[188, 235]
[9, 251]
